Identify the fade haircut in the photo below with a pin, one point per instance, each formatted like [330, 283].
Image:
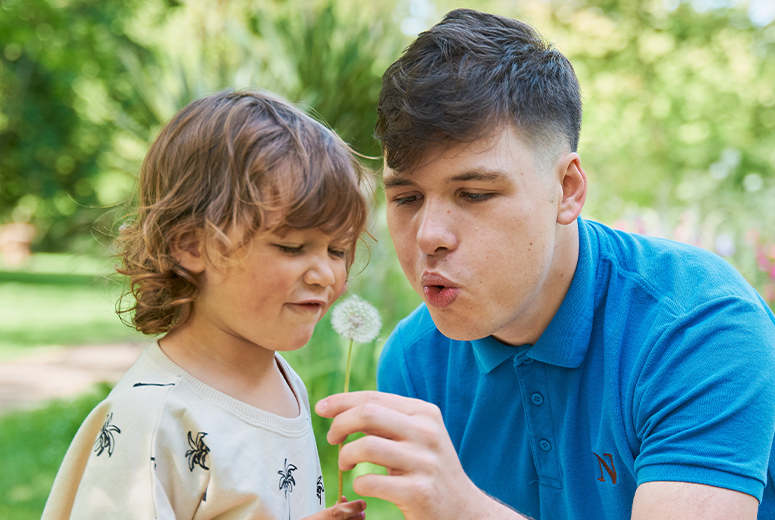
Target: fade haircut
[469, 76]
[223, 169]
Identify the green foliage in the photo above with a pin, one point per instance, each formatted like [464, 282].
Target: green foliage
[32, 446]
[56, 60]
[334, 59]
[319, 54]
[85, 85]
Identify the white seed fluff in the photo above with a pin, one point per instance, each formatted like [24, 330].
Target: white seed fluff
[356, 319]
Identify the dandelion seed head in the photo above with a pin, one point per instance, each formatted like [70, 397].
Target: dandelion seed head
[356, 319]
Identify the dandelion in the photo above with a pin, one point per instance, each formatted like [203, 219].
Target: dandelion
[357, 320]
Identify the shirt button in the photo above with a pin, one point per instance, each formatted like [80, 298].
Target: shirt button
[537, 399]
[545, 445]
[527, 360]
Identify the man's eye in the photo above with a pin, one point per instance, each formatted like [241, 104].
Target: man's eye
[476, 197]
[290, 250]
[401, 201]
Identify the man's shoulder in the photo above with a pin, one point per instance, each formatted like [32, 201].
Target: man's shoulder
[673, 272]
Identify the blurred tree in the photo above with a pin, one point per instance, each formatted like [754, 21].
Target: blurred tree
[85, 84]
[57, 74]
[325, 55]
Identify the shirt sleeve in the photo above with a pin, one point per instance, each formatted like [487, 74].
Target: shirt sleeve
[127, 463]
[704, 401]
[103, 474]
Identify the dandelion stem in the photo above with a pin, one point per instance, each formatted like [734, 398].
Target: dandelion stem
[347, 370]
[346, 388]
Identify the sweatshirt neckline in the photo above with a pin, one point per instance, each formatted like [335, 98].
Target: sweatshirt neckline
[295, 425]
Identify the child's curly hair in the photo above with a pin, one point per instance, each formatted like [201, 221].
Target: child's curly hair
[222, 164]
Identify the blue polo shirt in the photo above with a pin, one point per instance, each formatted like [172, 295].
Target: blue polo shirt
[658, 365]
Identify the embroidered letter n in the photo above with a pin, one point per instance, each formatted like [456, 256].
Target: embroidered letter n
[611, 470]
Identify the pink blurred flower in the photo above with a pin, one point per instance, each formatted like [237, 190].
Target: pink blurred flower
[761, 259]
[769, 292]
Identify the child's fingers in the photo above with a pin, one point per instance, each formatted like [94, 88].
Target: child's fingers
[342, 511]
[348, 510]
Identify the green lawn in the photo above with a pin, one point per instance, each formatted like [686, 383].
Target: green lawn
[32, 445]
[56, 299]
[59, 300]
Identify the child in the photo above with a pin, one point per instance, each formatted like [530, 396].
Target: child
[249, 216]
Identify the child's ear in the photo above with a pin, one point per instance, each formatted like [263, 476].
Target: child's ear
[187, 252]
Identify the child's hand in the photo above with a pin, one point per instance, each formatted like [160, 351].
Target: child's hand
[344, 511]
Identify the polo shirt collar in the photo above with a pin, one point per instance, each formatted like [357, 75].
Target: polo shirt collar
[489, 353]
[566, 339]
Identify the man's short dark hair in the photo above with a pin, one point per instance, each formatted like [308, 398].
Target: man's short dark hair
[470, 75]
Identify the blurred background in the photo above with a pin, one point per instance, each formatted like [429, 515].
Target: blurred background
[678, 141]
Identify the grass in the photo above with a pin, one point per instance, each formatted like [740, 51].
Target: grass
[32, 446]
[59, 300]
[56, 299]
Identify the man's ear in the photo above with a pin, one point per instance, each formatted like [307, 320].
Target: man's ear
[574, 188]
[187, 252]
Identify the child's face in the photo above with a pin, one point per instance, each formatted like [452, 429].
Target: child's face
[273, 294]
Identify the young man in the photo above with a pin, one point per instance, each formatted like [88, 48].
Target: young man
[559, 367]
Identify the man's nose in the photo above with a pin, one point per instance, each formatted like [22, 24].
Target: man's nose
[436, 233]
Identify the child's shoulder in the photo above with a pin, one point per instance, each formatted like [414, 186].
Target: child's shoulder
[148, 380]
[141, 394]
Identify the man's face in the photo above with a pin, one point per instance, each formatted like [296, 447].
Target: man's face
[475, 229]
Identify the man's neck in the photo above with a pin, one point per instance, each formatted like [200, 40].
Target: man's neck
[531, 321]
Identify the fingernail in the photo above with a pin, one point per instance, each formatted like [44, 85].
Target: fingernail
[322, 405]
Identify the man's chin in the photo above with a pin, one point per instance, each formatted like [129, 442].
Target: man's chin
[457, 329]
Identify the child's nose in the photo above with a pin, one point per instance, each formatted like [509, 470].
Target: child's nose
[321, 272]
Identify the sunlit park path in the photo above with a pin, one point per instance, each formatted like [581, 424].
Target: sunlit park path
[31, 380]
[59, 334]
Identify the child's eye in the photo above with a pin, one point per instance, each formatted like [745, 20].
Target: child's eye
[290, 250]
[476, 197]
[338, 253]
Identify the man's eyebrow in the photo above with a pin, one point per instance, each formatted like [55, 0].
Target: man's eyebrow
[482, 174]
[479, 175]
[395, 181]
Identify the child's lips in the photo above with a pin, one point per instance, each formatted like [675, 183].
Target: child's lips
[308, 305]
